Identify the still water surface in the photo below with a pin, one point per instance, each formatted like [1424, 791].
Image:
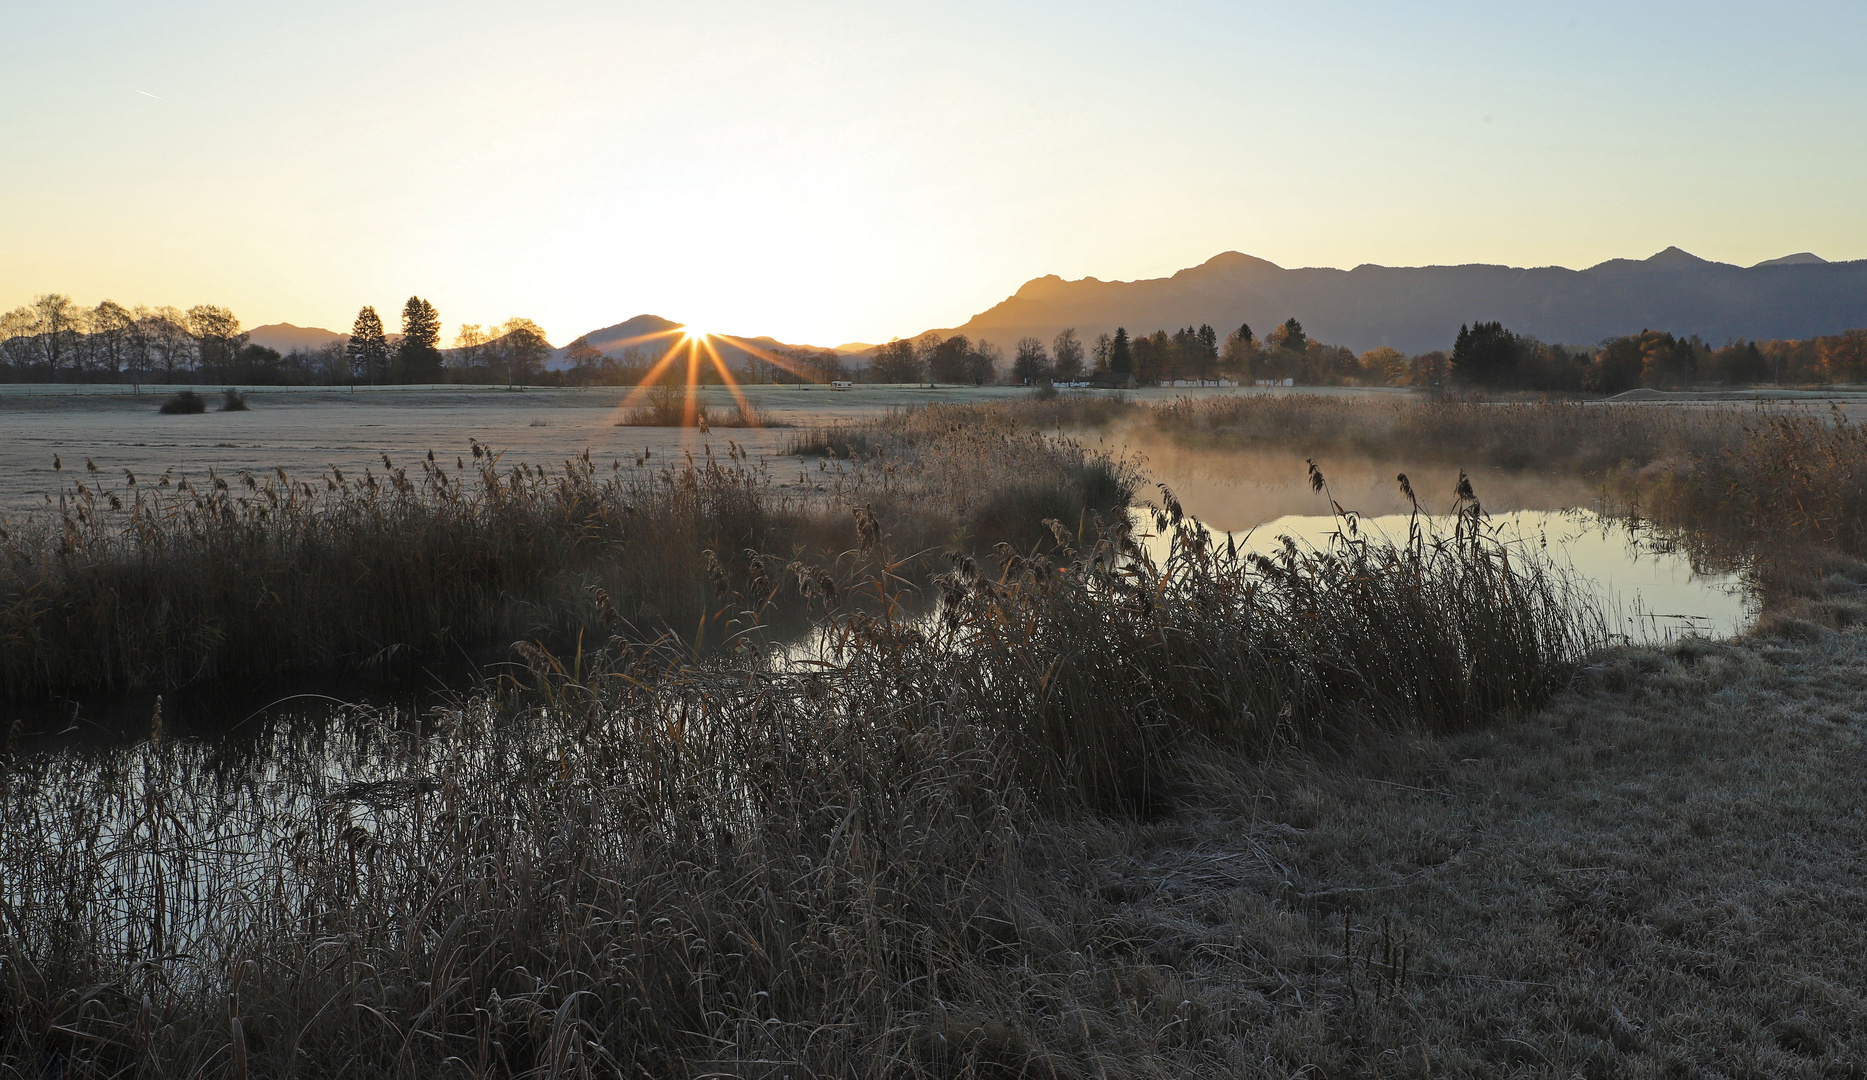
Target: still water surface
[1648, 588]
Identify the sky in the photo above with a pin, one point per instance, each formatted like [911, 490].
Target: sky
[829, 172]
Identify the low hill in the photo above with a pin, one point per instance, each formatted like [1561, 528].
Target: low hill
[1417, 309]
[653, 336]
[285, 337]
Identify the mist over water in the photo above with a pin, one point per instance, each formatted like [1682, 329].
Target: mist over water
[1648, 587]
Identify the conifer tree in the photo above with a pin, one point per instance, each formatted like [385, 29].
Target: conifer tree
[418, 356]
[1121, 357]
[368, 349]
[1293, 337]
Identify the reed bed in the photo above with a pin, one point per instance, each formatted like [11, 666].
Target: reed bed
[135, 583]
[855, 859]
[1761, 484]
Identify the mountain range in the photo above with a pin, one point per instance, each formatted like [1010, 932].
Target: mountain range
[1414, 309]
[1417, 309]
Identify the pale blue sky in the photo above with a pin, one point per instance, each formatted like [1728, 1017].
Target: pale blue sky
[833, 171]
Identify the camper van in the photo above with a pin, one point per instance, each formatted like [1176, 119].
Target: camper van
[841, 384]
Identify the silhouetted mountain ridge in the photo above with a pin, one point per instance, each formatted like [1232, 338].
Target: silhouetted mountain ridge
[1417, 309]
[652, 336]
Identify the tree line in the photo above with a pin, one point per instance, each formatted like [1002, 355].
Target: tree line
[54, 339]
[1488, 354]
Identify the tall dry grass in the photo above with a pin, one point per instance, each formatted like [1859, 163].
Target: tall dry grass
[854, 860]
[141, 584]
[1761, 482]
[133, 583]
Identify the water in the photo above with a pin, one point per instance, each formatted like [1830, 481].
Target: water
[1649, 587]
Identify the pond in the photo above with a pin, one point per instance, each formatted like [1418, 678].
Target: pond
[1650, 587]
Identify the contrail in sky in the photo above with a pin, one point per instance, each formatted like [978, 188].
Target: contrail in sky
[146, 93]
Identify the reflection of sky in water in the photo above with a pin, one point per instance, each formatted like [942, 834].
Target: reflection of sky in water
[1648, 591]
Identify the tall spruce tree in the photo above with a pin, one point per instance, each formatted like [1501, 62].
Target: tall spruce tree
[1486, 354]
[418, 356]
[1293, 337]
[368, 349]
[1209, 341]
[1121, 357]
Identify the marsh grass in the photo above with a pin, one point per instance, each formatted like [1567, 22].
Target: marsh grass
[860, 859]
[1774, 491]
[232, 400]
[137, 584]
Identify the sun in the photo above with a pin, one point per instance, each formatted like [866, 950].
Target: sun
[694, 333]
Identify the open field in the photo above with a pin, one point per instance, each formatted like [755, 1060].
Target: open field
[307, 429]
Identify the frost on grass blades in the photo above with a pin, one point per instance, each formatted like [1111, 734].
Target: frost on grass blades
[756, 849]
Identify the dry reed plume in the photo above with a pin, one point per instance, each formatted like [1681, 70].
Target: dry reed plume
[854, 860]
[135, 583]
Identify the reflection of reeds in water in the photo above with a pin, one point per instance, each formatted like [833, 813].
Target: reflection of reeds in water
[651, 863]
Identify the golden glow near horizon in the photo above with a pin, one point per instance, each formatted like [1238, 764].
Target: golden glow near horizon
[830, 171]
[692, 351]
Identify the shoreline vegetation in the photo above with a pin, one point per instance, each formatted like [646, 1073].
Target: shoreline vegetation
[648, 861]
[134, 583]
[1781, 487]
[1027, 801]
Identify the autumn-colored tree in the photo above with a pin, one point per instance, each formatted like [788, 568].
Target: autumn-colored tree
[1383, 366]
[1843, 356]
[1289, 337]
[1242, 353]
